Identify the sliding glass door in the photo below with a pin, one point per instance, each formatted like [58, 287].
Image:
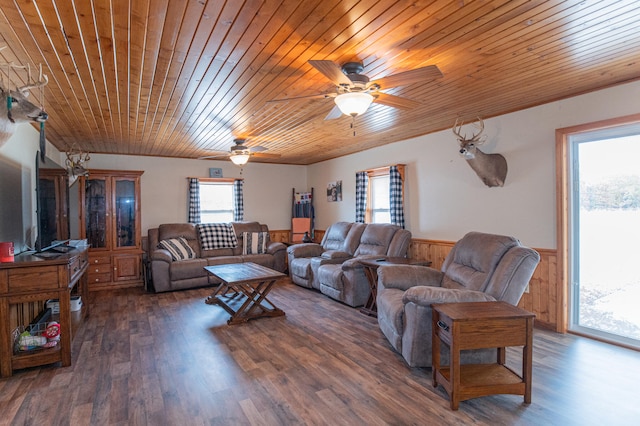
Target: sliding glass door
[604, 291]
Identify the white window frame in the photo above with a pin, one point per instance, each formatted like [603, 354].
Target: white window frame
[204, 211]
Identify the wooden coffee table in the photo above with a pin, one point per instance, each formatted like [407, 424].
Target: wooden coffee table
[476, 325]
[244, 289]
[371, 271]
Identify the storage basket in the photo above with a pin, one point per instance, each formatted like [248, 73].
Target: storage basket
[36, 331]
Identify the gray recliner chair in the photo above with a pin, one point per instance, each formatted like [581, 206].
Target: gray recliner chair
[480, 267]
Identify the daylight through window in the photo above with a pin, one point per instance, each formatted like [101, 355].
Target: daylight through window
[216, 202]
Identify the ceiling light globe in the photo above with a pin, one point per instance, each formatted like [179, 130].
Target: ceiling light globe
[239, 159]
[353, 103]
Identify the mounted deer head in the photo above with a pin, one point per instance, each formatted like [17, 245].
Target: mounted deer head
[14, 106]
[490, 168]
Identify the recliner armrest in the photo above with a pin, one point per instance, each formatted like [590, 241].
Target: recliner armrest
[305, 250]
[275, 246]
[427, 295]
[161, 255]
[404, 277]
[335, 254]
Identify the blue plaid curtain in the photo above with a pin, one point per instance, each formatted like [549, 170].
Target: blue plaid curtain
[238, 201]
[395, 197]
[362, 180]
[194, 200]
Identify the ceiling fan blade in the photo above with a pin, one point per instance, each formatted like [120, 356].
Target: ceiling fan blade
[334, 113]
[332, 71]
[299, 98]
[213, 157]
[265, 155]
[257, 148]
[418, 75]
[395, 101]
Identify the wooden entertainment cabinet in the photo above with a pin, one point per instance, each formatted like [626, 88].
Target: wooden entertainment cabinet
[25, 286]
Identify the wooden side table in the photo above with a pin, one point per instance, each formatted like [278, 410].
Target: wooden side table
[476, 325]
[371, 271]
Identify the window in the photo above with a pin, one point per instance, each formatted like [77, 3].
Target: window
[216, 202]
[378, 208]
[379, 189]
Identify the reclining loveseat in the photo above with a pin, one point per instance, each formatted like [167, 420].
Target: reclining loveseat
[333, 266]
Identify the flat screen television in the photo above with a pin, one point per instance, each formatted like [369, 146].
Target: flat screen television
[52, 204]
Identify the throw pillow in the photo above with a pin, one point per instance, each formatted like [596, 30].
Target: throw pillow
[217, 235]
[254, 242]
[178, 247]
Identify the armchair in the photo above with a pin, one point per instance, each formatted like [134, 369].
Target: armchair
[480, 267]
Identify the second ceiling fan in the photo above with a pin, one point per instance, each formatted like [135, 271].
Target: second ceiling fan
[355, 92]
[239, 153]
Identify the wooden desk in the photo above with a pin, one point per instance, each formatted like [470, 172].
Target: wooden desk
[476, 325]
[25, 286]
[371, 271]
[244, 289]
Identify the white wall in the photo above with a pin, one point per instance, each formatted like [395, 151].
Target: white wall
[444, 198]
[267, 187]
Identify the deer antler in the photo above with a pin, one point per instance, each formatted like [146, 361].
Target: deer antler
[475, 137]
[42, 81]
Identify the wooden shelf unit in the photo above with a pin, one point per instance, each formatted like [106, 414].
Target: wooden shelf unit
[25, 286]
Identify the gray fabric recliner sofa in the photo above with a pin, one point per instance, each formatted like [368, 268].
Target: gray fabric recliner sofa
[480, 267]
[333, 267]
[168, 274]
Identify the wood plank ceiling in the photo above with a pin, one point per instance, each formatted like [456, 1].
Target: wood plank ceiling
[178, 78]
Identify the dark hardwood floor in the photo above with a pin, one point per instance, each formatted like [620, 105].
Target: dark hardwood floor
[171, 359]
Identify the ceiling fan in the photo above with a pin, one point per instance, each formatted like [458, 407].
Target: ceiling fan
[239, 153]
[354, 92]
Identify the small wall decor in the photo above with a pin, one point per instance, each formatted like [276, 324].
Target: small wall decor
[215, 172]
[334, 191]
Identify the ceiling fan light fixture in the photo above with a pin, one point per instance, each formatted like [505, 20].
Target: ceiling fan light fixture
[239, 158]
[353, 103]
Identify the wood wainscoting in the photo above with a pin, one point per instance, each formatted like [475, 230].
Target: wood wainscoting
[543, 297]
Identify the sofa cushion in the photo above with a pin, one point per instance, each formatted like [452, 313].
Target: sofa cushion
[376, 238]
[217, 235]
[178, 247]
[188, 269]
[254, 242]
[336, 235]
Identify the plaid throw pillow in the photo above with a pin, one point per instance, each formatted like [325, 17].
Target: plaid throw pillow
[254, 242]
[178, 247]
[217, 235]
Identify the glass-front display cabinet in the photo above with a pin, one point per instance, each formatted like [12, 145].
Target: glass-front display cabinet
[110, 221]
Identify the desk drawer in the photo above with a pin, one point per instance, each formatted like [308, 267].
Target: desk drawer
[493, 333]
[33, 279]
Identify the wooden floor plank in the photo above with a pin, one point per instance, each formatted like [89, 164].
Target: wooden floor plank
[171, 359]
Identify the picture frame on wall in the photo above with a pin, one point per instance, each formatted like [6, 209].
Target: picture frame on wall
[215, 172]
[334, 191]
